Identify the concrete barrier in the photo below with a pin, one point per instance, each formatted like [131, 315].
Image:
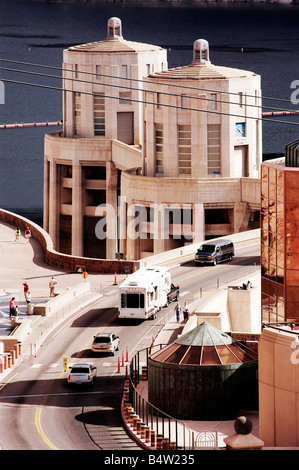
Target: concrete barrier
[70, 299]
[63, 261]
[21, 331]
[63, 299]
[191, 249]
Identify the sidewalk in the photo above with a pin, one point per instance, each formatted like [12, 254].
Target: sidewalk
[22, 261]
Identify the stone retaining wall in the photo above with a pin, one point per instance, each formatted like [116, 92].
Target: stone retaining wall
[63, 261]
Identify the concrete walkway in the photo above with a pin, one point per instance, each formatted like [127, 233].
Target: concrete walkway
[24, 261]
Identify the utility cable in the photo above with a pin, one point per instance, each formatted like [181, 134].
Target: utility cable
[153, 103]
[146, 90]
[139, 80]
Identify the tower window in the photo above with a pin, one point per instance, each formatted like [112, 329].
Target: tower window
[125, 97]
[99, 114]
[159, 137]
[214, 101]
[98, 71]
[214, 164]
[77, 113]
[184, 149]
[124, 71]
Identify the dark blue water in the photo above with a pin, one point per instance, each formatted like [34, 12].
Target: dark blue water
[38, 32]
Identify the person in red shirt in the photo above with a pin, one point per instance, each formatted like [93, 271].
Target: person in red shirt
[26, 289]
[12, 307]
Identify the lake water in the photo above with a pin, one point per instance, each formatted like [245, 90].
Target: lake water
[261, 38]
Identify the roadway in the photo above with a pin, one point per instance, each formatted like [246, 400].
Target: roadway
[39, 411]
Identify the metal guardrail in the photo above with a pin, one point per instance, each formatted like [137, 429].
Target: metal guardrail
[167, 428]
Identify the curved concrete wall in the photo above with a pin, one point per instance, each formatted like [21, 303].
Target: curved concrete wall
[63, 261]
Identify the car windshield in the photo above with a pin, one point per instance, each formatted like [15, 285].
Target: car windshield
[102, 339]
[207, 248]
[80, 370]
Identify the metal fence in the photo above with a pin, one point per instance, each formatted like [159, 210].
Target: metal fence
[175, 432]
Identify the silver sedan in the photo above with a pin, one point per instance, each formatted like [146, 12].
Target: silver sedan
[82, 374]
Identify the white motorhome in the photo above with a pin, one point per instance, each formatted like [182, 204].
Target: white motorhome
[144, 292]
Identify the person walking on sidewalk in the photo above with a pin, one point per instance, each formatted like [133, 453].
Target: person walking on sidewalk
[178, 310]
[186, 312]
[27, 234]
[17, 234]
[26, 289]
[52, 285]
[12, 307]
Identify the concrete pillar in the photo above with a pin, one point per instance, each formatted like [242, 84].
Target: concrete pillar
[243, 439]
[159, 235]
[133, 244]
[54, 209]
[122, 213]
[199, 138]
[46, 196]
[77, 211]
[241, 217]
[112, 210]
[198, 223]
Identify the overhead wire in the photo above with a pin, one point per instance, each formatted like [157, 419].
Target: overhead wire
[143, 90]
[256, 106]
[62, 69]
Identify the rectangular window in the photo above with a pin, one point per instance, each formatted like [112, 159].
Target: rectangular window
[148, 69]
[124, 97]
[240, 129]
[184, 149]
[185, 101]
[213, 101]
[214, 164]
[124, 71]
[99, 114]
[77, 113]
[132, 300]
[158, 100]
[98, 71]
[159, 148]
[241, 99]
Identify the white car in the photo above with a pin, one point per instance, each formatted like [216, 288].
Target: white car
[105, 342]
[82, 374]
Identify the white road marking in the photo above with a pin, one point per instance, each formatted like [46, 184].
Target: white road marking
[182, 294]
[110, 292]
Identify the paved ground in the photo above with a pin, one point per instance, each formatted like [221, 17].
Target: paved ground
[24, 261]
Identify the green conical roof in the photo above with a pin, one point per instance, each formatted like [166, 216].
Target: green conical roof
[205, 335]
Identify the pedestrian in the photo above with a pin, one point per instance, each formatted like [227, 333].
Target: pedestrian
[26, 289]
[52, 285]
[27, 234]
[178, 310]
[28, 297]
[17, 234]
[17, 311]
[12, 307]
[185, 311]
